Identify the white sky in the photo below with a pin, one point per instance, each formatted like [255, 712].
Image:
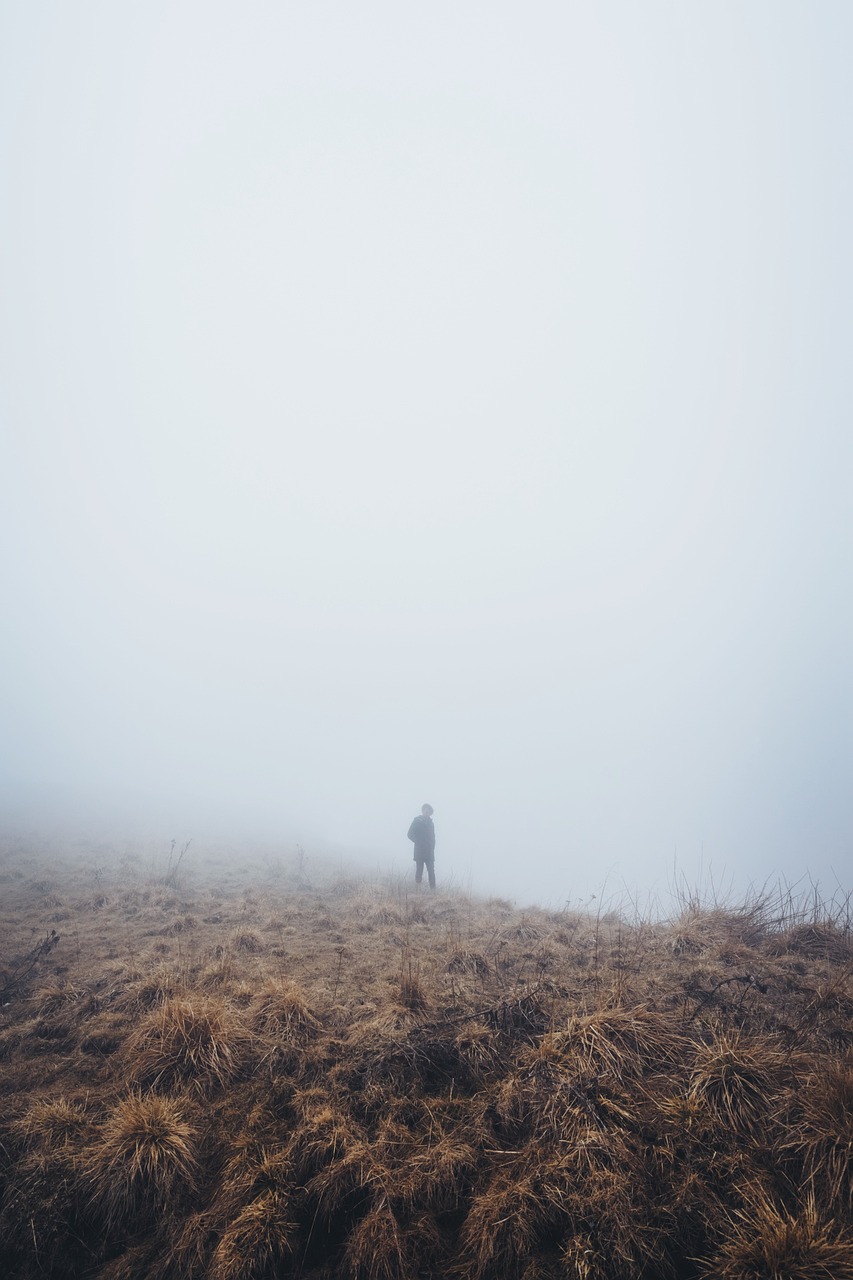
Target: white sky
[444, 403]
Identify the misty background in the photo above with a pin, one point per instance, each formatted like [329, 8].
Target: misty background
[444, 403]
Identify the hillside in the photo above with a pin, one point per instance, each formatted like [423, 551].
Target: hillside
[236, 1068]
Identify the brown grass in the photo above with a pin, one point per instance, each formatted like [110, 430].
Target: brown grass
[376, 1249]
[765, 1241]
[734, 1078]
[581, 1260]
[143, 1162]
[621, 1042]
[198, 1042]
[325, 1134]
[503, 1226]
[820, 1133]
[53, 1123]
[259, 1242]
[281, 1010]
[331, 1077]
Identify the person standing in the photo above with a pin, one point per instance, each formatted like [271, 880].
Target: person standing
[422, 835]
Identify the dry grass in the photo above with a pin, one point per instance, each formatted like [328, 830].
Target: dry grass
[259, 1242]
[198, 1042]
[281, 1010]
[343, 1185]
[619, 1042]
[820, 1133]
[435, 1175]
[581, 1260]
[325, 1134]
[815, 940]
[503, 1226]
[765, 1241]
[412, 993]
[330, 1076]
[376, 1248]
[53, 1123]
[734, 1078]
[143, 1162]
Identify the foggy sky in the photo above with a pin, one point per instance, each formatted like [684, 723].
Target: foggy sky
[440, 403]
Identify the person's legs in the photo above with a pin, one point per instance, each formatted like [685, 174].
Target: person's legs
[419, 870]
[431, 871]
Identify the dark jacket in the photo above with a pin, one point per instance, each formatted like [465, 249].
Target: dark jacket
[422, 833]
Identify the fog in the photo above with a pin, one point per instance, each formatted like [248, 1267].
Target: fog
[440, 403]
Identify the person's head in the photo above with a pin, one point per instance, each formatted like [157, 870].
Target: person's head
[426, 810]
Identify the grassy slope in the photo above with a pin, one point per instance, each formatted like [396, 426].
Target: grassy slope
[239, 1073]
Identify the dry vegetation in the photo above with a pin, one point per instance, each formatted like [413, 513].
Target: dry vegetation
[217, 1068]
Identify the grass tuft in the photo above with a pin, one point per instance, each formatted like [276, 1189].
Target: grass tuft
[259, 1243]
[53, 1123]
[198, 1042]
[765, 1241]
[621, 1043]
[500, 1233]
[281, 1010]
[375, 1249]
[821, 1133]
[581, 1260]
[734, 1078]
[143, 1162]
[412, 994]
